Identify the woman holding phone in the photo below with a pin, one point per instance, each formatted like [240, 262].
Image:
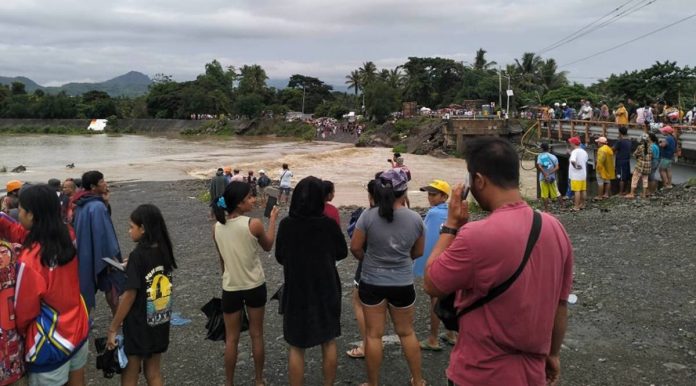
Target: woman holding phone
[238, 238]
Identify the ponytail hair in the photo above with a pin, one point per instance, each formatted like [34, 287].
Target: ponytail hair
[156, 235]
[235, 192]
[385, 196]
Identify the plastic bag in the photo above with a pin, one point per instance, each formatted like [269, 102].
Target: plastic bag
[216, 323]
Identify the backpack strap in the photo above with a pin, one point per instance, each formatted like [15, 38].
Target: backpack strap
[498, 290]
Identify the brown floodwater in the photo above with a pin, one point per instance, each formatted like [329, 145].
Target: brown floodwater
[144, 158]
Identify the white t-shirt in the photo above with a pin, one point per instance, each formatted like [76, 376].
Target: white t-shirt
[586, 112]
[578, 155]
[285, 177]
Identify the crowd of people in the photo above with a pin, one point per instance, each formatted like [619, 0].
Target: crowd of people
[657, 112]
[327, 127]
[60, 258]
[654, 158]
[63, 250]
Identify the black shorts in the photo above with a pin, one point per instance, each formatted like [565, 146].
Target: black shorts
[232, 301]
[396, 296]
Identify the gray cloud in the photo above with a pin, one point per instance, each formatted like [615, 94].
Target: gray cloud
[63, 40]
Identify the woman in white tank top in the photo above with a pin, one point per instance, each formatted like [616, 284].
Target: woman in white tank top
[238, 239]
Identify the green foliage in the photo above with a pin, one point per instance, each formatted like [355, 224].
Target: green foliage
[381, 99]
[250, 105]
[569, 94]
[45, 130]
[400, 148]
[660, 81]
[312, 90]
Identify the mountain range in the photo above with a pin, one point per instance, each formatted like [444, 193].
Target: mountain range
[131, 84]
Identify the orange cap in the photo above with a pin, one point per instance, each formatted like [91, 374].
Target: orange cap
[13, 185]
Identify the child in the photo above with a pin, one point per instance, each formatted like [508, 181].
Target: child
[145, 306]
[47, 261]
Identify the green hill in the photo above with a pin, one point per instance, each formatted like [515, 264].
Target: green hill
[131, 84]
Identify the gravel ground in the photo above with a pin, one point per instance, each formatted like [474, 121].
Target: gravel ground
[634, 322]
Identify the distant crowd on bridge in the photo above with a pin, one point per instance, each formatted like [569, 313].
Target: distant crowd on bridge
[659, 113]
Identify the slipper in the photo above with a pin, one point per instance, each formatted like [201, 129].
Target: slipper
[445, 338]
[424, 345]
[356, 352]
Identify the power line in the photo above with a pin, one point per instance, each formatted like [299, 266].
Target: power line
[630, 41]
[583, 28]
[615, 18]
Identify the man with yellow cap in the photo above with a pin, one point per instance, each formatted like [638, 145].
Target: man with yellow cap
[438, 194]
[11, 200]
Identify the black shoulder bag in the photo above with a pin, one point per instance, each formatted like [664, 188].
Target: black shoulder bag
[444, 308]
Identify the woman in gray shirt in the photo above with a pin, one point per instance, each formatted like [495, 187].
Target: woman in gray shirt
[394, 237]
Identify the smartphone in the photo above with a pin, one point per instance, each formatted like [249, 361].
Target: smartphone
[272, 200]
[465, 193]
[467, 183]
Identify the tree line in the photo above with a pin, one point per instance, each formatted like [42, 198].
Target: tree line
[431, 82]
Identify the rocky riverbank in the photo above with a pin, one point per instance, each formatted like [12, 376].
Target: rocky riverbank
[634, 322]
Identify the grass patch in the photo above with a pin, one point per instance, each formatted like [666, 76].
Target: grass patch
[45, 130]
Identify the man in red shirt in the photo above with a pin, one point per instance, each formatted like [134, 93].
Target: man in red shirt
[515, 339]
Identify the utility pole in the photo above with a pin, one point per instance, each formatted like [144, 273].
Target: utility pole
[500, 88]
[507, 107]
[303, 97]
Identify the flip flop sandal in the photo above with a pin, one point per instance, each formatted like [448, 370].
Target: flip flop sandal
[356, 352]
[424, 345]
[445, 338]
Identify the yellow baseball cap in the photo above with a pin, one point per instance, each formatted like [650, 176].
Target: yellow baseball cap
[438, 186]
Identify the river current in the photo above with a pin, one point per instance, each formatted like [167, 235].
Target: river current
[145, 158]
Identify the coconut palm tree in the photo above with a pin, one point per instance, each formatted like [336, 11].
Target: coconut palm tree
[549, 77]
[368, 73]
[480, 62]
[354, 81]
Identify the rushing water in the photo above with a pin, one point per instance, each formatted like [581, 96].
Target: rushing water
[134, 157]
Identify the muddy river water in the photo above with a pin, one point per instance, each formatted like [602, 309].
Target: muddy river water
[144, 158]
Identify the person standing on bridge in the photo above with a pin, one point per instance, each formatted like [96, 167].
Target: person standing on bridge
[621, 115]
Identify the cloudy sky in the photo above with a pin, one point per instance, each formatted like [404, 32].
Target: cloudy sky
[59, 41]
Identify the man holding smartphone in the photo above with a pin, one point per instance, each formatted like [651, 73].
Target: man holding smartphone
[515, 339]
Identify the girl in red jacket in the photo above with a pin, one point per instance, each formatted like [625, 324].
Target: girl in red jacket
[50, 313]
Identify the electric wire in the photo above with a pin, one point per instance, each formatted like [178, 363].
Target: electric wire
[615, 18]
[630, 41]
[583, 28]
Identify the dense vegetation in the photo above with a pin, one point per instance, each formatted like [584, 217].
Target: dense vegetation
[431, 82]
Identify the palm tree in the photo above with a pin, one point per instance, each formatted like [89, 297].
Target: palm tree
[527, 70]
[549, 77]
[480, 62]
[368, 73]
[395, 78]
[354, 81]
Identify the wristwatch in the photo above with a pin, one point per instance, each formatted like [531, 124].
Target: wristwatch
[446, 229]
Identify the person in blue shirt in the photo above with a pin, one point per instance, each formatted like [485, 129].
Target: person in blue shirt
[667, 149]
[438, 194]
[547, 164]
